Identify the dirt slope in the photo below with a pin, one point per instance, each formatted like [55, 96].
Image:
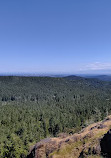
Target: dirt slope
[92, 142]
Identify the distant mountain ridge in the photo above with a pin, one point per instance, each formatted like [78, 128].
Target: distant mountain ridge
[101, 77]
[82, 77]
[65, 76]
[74, 77]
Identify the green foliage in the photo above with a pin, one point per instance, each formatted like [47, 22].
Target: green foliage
[32, 108]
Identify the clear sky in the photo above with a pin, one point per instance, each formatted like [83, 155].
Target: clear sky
[55, 36]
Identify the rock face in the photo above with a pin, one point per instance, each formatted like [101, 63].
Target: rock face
[106, 144]
[93, 140]
[43, 148]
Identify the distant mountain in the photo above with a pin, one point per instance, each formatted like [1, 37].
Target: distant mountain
[101, 77]
[74, 77]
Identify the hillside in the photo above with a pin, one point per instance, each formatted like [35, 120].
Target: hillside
[91, 142]
[34, 108]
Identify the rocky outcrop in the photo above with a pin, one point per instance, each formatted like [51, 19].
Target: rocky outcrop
[43, 148]
[92, 140]
[105, 144]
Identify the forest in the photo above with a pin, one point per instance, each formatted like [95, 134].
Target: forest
[33, 108]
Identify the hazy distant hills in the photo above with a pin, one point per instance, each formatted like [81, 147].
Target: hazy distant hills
[88, 78]
[85, 77]
[64, 76]
[101, 77]
[73, 77]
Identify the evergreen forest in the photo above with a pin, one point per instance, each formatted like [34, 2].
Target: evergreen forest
[33, 108]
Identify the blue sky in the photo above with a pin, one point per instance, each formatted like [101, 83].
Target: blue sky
[55, 36]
